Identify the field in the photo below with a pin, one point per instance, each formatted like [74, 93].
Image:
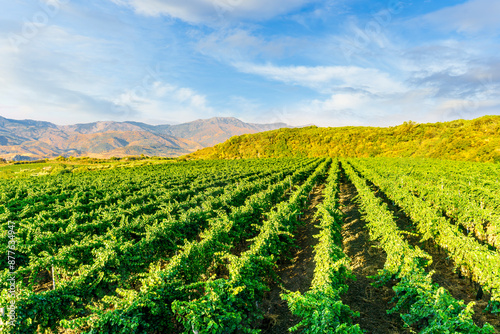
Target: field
[314, 245]
[70, 165]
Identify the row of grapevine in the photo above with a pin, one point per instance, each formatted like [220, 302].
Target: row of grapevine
[91, 190]
[55, 228]
[29, 194]
[476, 260]
[466, 203]
[194, 246]
[93, 197]
[120, 261]
[425, 305]
[128, 224]
[149, 309]
[100, 223]
[321, 308]
[231, 304]
[70, 258]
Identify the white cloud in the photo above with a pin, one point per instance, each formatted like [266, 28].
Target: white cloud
[343, 101]
[164, 102]
[236, 45]
[211, 11]
[48, 77]
[327, 78]
[357, 109]
[470, 17]
[449, 109]
[449, 56]
[66, 78]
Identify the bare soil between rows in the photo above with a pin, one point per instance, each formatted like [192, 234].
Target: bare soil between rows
[366, 259]
[295, 274]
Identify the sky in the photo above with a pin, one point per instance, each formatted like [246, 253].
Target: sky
[301, 62]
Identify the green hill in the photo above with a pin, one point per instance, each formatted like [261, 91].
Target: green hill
[475, 140]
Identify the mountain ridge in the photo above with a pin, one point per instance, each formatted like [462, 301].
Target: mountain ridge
[31, 139]
[475, 140]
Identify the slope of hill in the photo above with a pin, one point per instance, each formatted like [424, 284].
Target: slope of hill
[477, 140]
[28, 139]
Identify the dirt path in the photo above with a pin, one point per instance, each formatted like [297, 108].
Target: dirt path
[296, 274]
[366, 259]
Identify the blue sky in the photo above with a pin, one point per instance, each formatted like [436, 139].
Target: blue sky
[329, 63]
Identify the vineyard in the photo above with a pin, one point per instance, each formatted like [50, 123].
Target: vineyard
[308, 245]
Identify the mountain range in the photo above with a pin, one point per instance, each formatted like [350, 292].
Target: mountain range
[31, 140]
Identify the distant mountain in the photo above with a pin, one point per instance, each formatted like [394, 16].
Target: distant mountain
[474, 140]
[216, 130]
[29, 139]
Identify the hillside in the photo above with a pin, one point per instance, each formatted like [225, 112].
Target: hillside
[475, 140]
[31, 140]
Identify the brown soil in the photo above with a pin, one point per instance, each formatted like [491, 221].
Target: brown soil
[42, 281]
[295, 274]
[366, 259]
[459, 287]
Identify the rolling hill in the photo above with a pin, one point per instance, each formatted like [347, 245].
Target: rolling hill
[475, 140]
[31, 140]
